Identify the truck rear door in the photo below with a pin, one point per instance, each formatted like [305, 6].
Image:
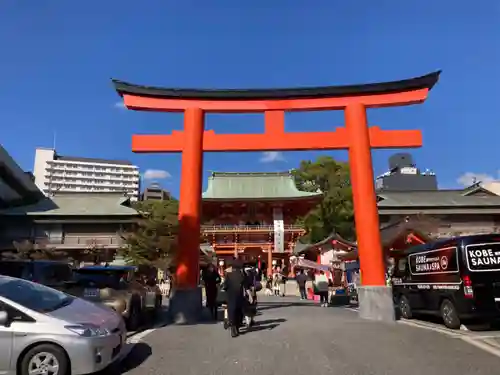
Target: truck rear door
[483, 268]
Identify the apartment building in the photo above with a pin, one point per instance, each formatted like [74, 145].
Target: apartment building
[55, 173]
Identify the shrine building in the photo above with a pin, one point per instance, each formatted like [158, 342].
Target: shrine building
[253, 216]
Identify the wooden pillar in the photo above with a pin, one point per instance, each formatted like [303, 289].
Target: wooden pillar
[269, 261]
[363, 190]
[188, 258]
[318, 259]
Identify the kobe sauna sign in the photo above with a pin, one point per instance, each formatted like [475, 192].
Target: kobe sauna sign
[356, 136]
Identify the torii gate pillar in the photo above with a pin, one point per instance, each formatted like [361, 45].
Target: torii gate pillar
[376, 300]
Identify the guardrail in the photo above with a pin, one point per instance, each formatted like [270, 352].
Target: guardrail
[270, 228]
[67, 240]
[81, 240]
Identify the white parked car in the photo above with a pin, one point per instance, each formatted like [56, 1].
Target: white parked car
[46, 332]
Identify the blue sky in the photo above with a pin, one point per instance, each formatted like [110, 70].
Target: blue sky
[58, 57]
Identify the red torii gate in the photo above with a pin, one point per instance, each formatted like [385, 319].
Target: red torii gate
[356, 136]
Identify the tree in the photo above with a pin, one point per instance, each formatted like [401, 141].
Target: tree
[152, 241]
[94, 251]
[335, 211]
[27, 250]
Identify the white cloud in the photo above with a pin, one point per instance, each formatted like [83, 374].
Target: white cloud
[156, 174]
[469, 178]
[120, 105]
[271, 157]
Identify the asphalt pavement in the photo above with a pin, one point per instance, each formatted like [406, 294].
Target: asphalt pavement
[294, 337]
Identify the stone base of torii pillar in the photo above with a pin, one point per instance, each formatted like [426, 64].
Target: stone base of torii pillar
[376, 303]
[186, 306]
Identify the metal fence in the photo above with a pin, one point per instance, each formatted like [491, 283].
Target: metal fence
[66, 240]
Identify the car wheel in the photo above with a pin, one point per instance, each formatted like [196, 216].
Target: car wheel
[449, 315]
[45, 359]
[405, 308]
[134, 319]
[154, 312]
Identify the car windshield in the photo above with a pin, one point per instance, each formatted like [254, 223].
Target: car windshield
[33, 296]
[101, 278]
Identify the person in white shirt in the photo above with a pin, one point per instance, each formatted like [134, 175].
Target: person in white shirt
[321, 285]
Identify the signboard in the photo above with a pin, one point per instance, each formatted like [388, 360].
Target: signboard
[483, 257]
[279, 230]
[434, 262]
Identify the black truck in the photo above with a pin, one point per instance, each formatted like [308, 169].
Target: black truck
[457, 279]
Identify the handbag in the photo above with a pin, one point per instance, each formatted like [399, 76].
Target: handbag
[258, 286]
[315, 289]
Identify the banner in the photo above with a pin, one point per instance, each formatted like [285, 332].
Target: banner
[279, 230]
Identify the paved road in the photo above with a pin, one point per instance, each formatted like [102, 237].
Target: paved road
[296, 338]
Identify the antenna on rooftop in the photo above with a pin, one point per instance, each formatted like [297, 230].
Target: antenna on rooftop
[54, 138]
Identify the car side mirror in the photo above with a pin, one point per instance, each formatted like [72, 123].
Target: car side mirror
[4, 318]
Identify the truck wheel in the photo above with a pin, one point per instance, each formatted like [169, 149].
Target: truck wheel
[449, 315]
[45, 359]
[134, 319]
[405, 308]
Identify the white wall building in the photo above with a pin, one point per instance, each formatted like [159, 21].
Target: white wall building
[66, 174]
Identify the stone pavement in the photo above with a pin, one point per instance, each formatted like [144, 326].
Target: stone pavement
[297, 338]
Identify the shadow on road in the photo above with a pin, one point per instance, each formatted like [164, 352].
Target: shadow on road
[259, 323]
[137, 356]
[162, 319]
[277, 305]
[471, 326]
[264, 325]
[260, 328]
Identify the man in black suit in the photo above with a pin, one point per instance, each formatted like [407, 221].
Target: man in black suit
[236, 285]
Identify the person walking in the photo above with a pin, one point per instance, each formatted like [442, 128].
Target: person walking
[236, 287]
[301, 279]
[276, 281]
[211, 279]
[321, 286]
[250, 308]
[283, 282]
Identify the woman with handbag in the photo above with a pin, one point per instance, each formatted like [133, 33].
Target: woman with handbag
[321, 285]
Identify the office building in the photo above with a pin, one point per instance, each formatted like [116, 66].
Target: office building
[155, 192]
[403, 175]
[57, 174]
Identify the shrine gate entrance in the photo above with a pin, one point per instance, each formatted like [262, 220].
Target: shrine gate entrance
[357, 137]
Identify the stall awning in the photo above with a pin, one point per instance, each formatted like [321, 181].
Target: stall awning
[333, 241]
[309, 264]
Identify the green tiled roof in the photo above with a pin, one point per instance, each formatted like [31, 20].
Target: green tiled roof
[76, 205]
[236, 185]
[437, 198]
